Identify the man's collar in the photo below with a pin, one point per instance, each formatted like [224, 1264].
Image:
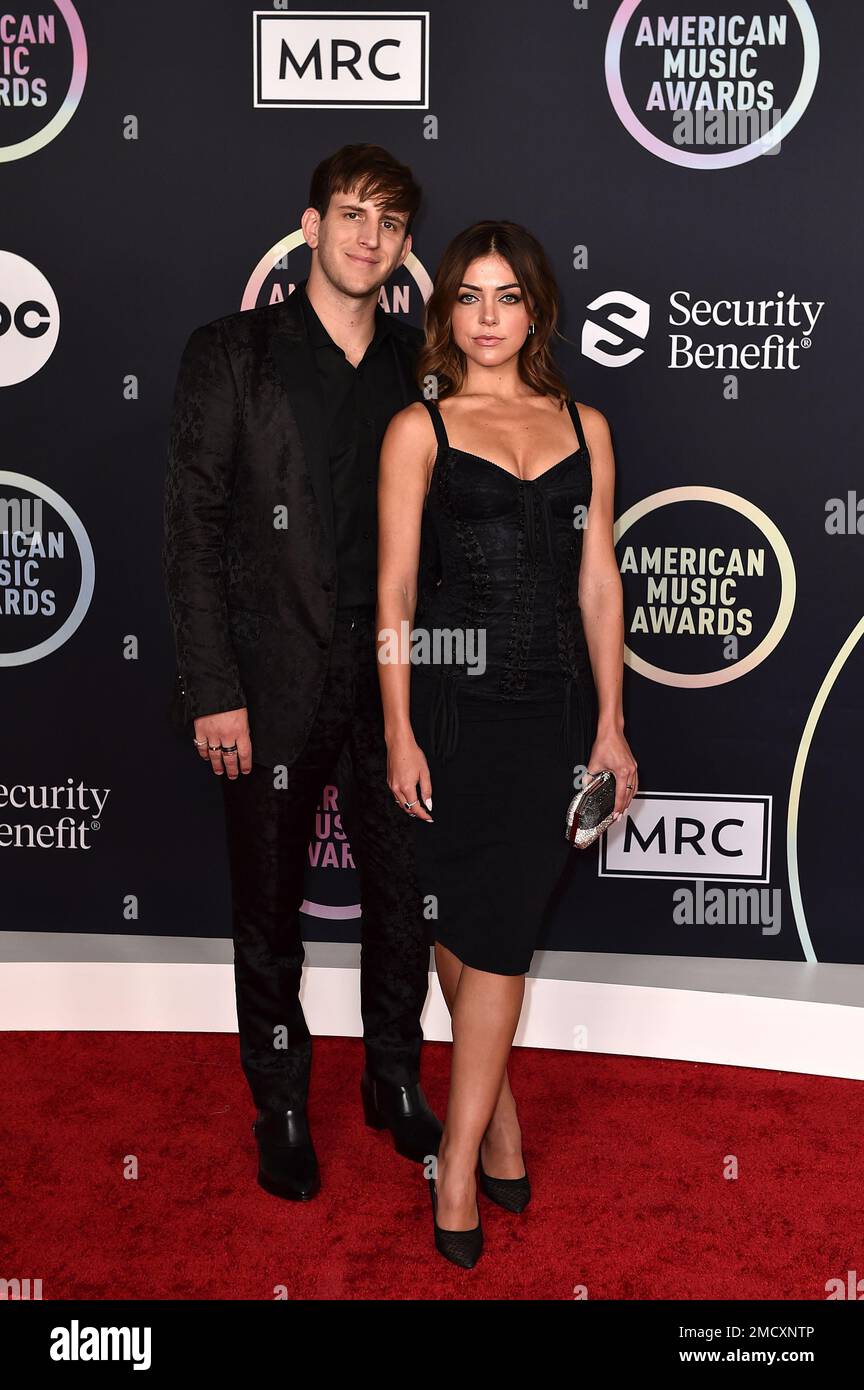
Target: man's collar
[317, 333]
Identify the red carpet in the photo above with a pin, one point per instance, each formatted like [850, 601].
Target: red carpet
[626, 1157]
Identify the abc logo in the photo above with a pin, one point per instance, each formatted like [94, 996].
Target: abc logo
[29, 319]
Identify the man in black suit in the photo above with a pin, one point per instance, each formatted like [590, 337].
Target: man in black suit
[270, 560]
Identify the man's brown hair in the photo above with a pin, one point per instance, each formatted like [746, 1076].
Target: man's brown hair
[374, 173]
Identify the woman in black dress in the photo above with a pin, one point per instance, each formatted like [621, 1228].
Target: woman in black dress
[496, 551]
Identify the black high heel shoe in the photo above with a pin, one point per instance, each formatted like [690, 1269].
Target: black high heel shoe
[461, 1247]
[513, 1194]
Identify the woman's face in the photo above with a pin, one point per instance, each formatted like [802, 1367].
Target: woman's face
[490, 319]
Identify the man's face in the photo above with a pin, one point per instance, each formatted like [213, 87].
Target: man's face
[359, 244]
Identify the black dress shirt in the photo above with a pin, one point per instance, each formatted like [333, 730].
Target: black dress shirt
[360, 402]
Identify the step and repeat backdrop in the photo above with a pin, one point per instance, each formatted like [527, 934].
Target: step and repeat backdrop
[693, 172]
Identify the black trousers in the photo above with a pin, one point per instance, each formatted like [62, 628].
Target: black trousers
[268, 831]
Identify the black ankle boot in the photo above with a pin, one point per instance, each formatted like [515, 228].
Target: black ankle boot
[459, 1247]
[405, 1111]
[287, 1165]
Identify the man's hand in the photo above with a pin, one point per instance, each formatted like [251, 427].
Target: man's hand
[228, 729]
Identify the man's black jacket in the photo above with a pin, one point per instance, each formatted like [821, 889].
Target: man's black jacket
[249, 554]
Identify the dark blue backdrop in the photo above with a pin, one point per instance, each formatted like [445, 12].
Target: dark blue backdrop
[149, 212]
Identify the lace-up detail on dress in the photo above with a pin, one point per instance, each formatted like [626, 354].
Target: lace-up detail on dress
[501, 555]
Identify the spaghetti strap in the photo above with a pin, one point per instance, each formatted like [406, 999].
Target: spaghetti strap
[440, 432]
[577, 423]
[444, 442]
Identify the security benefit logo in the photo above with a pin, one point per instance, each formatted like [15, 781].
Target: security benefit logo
[769, 334]
[47, 570]
[709, 586]
[327, 58]
[43, 69]
[62, 817]
[705, 87]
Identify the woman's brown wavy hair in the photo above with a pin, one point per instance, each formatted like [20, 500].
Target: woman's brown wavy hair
[442, 359]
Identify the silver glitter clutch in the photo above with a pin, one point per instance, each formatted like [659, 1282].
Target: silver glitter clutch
[590, 811]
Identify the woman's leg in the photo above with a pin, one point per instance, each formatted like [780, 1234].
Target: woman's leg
[485, 1013]
[501, 1150]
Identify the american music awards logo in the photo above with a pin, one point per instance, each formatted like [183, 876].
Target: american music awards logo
[707, 89]
[43, 69]
[47, 570]
[709, 587]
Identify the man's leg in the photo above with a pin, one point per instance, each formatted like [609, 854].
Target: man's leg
[394, 960]
[268, 830]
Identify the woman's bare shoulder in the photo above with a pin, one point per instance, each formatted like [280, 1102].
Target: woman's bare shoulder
[412, 433]
[410, 423]
[594, 423]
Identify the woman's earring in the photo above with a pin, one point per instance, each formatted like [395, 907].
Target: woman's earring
[531, 328]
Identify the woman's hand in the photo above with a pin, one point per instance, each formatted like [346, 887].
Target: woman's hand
[406, 766]
[613, 751]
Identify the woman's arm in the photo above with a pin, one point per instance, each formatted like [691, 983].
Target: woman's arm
[601, 599]
[405, 463]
